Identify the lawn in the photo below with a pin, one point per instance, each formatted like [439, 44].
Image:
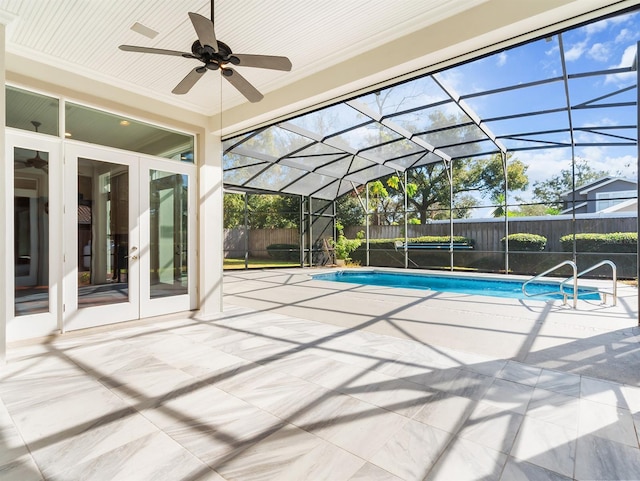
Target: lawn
[258, 263]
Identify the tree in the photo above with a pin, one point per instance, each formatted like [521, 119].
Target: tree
[349, 211]
[265, 211]
[548, 192]
[377, 196]
[529, 209]
[501, 209]
[233, 210]
[482, 176]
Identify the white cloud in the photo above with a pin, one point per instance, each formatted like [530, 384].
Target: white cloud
[544, 163]
[596, 27]
[622, 18]
[502, 59]
[576, 51]
[628, 57]
[600, 158]
[603, 121]
[599, 52]
[594, 155]
[625, 35]
[451, 78]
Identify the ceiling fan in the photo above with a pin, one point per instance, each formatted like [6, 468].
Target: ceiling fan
[36, 162]
[217, 55]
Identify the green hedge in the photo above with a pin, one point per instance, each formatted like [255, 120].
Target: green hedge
[390, 243]
[613, 242]
[440, 238]
[525, 242]
[284, 252]
[382, 252]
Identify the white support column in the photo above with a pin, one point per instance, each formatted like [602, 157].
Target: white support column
[6, 189]
[210, 232]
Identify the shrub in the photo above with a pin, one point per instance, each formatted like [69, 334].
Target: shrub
[383, 251]
[440, 238]
[612, 242]
[525, 242]
[284, 252]
[343, 247]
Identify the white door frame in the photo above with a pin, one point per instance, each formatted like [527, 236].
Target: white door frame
[80, 318]
[139, 304]
[46, 323]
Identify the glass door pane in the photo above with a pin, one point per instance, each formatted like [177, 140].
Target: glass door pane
[103, 233]
[168, 226]
[31, 231]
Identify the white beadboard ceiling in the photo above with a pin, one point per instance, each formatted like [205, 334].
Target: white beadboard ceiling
[83, 36]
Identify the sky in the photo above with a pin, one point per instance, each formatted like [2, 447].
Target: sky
[601, 46]
[598, 47]
[604, 45]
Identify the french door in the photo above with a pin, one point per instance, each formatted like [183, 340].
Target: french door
[35, 234]
[127, 229]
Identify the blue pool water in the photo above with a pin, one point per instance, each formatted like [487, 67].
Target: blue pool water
[462, 285]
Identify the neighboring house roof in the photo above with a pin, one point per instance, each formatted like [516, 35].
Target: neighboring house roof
[626, 206]
[569, 210]
[596, 184]
[609, 180]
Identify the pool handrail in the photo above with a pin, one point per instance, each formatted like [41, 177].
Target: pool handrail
[560, 284]
[614, 275]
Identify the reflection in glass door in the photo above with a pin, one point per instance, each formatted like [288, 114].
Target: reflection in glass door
[32, 283]
[31, 231]
[168, 234]
[103, 233]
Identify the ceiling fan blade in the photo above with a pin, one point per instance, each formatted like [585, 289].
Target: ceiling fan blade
[243, 85]
[20, 164]
[189, 81]
[160, 51]
[204, 28]
[263, 61]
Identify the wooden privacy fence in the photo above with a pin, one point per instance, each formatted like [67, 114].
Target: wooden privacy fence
[487, 233]
[258, 240]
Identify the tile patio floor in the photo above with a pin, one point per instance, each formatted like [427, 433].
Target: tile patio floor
[304, 380]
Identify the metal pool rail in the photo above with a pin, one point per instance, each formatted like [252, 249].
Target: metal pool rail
[574, 280]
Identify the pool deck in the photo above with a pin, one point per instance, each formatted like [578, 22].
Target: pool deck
[542, 334]
[301, 379]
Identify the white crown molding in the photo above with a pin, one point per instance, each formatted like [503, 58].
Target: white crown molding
[7, 17]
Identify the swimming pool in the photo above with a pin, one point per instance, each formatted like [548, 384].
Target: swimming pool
[481, 286]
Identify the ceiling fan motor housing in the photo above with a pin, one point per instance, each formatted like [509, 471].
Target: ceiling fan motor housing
[207, 55]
